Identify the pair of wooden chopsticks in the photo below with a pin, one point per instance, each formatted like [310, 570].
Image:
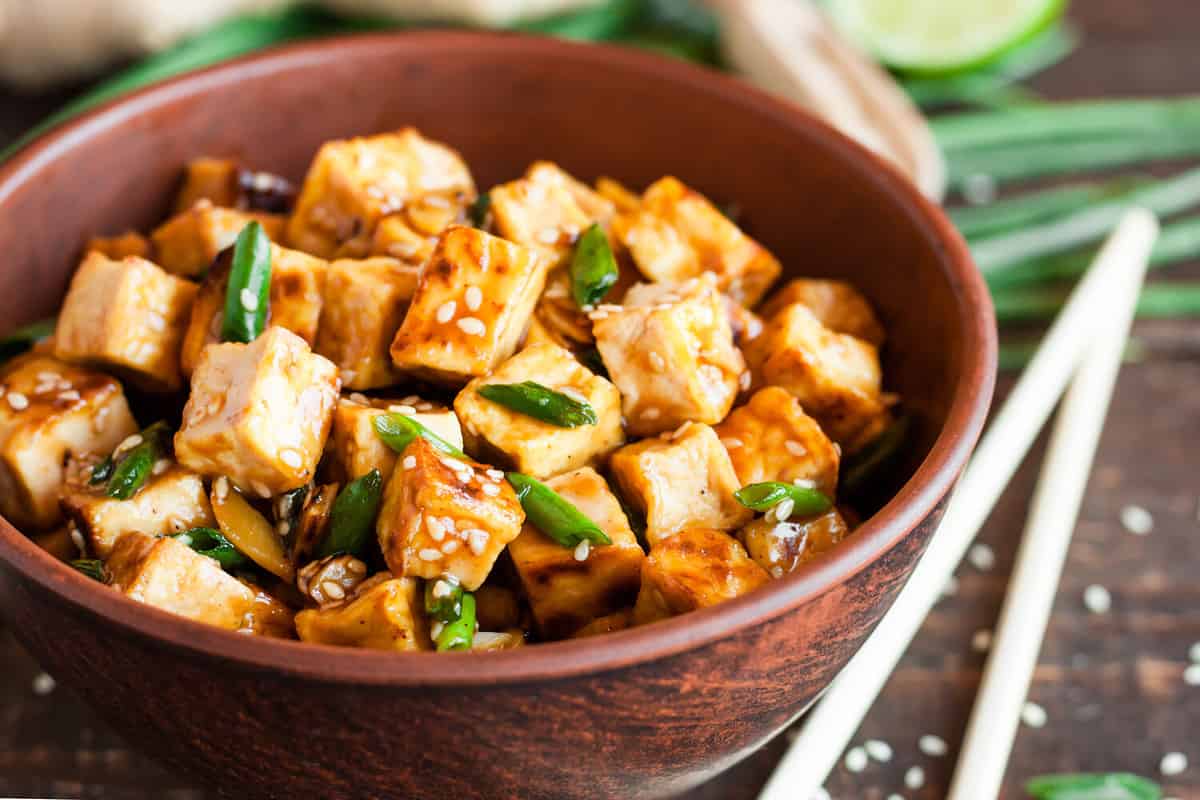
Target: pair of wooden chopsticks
[1083, 347]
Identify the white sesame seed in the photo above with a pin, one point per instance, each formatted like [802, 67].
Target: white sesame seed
[128, 443]
[1194, 653]
[69, 395]
[449, 546]
[442, 589]
[933, 746]
[981, 642]
[43, 684]
[951, 587]
[795, 448]
[281, 527]
[651, 413]
[856, 759]
[982, 557]
[333, 590]
[407, 411]
[429, 554]
[450, 525]
[249, 300]
[754, 327]
[472, 326]
[1097, 599]
[436, 529]
[804, 483]
[290, 457]
[77, 540]
[582, 550]
[160, 466]
[1137, 520]
[260, 489]
[495, 474]
[1191, 675]
[445, 311]
[473, 297]
[548, 235]
[435, 630]
[477, 540]
[155, 322]
[732, 443]
[1033, 715]
[914, 778]
[573, 394]
[879, 750]
[491, 489]
[409, 462]
[360, 398]
[1173, 764]
[784, 508]
[221, 488]
[423, 406]
[657, 361]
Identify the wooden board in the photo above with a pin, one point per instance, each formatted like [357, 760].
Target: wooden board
[1111, 685]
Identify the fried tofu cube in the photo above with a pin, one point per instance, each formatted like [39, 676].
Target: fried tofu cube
[169, 575]
[384, 614]
[835, 376]
[529, 445]
[223, 182]
[566, 593]
[693, 569]
[128, 316]
[772, 439]
[680, 480]
[617, 193]
[355, 447]
[670, 351]
[130, 243]
[189, 242]
[364, 306]
[354, 183]
[836, 304]
[296, 301]
[259, 413]
[676, 234]
[780, 547]
[616, 621]
[473, 303]
[547, 210]
[50, 413]
[394, 238]
[446, 516]
[172, 501]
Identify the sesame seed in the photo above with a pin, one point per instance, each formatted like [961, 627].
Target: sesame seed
[596, 316]
[445, 311]
[450, 546]
[249, 300]
[573, 394]
[473, 298]
[856, 759]
[914, 778]
[450, 524]
[879, 750]
[409, 462]
[128, 443]
[429, 554]
[981, 642]
[795, 448]
[423, 406]
[360, 398]
[732, 443]
[436, 529]
[436, 201]
[77, 540]
[69, 395]
[495, 474]
[491, 489]
[651, 413]
[754, 327]
[290, 457]
[472, 326]
[1097, 599]
[435, 630]
[18, 401]
[783, 509]
[982, 557]
[155, 322]
[333, 590]
[1033, 715]
[1191, 675]
[1137, 520]
[442, 589]
[804, 483]
[281, 527]
[1173, 764]
[407, 411]
[657, 361]
[261, 489]
[933, 746]
[221, 488]
[548, 236]
[609, 307]
[582, 550]
[477, 540]
[43, 684]
[160, 466]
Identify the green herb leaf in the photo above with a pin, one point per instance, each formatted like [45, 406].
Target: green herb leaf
[765, 496]
[554, 515]
[480, 210]
[92, 567]
[448, 607]
[102, 471]
[397, 431]
[459, 634]
[133, 467]
[593, 268]
[248, 294]
[352, 519]
[26, 337]
[210, 542]
[540, 402]
[1096, 786]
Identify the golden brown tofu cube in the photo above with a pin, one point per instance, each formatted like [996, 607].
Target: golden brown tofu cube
[169, 575]
[670, 351]
[676, 234]
[259, 413]
[680, 480]
[617, 621]
[355, 447]
[780, 547]
[772, 439]
[693, 569]
[541, 449]
[50, 413]
[211, 179]
[471, 308]
[547, 210]
[127, 316]
[490, 641]
[189, 242]
[446, 516]
[564, 591]
[836, 304]
[365, 303]
[296, 301]
[394, 238]
[354, 183]
[384, 614]
[615, 192]
[836, 377]
[130, 243]
[171, 501]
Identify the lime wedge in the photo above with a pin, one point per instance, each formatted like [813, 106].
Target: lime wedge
[942, 36]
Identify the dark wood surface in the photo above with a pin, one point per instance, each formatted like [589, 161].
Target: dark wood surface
[1111, 684]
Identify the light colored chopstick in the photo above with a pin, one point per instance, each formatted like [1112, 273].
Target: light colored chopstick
[834, 721]
[1052, 517]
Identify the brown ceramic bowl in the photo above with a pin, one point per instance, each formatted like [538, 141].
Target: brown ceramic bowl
[642, 713]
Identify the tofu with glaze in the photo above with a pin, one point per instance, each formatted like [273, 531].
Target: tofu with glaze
[130, 243]
[385, 613]
[503, 436]
[836, 304]
[692, 569]
[171, 576]
[670, 352]
[565, 592]
[259, 413]
[354, 445]
[445, 516]
[835, 376]
[352, 184]
[471, 309]
[127, 316]
[547, 210]
[188, 243]
[365, 302]
[676, 233]
[680, 480]
[52, 413]
[781, 547]
[770, 438]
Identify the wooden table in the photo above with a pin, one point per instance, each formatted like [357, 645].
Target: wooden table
[1111, 684]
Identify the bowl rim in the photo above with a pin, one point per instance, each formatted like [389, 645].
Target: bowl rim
[916, 500]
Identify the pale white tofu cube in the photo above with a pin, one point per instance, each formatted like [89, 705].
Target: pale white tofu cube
[547, 210]
[354, 445]
[836, 304]
[188, 243]
[383, 614]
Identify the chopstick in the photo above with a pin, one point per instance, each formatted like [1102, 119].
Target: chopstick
[834, 721]
[1052, 517]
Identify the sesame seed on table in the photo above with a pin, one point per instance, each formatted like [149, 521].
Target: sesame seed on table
[1118, 690]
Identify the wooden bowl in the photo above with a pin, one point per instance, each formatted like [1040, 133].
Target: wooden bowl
[642, 713]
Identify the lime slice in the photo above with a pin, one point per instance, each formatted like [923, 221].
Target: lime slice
[941, 36]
